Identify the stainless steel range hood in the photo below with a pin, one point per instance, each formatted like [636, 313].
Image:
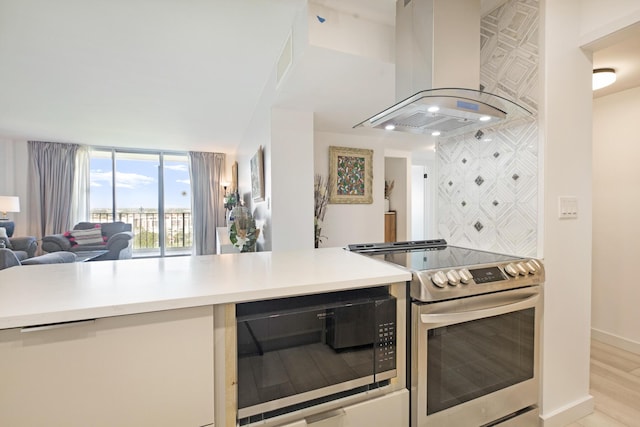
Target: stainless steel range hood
[438, 73]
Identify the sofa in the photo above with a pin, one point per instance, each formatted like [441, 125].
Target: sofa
[8, 259]
[22, 247]
[116, 238]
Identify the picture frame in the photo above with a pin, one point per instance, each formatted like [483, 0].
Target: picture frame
[351, 172]
[257, 176]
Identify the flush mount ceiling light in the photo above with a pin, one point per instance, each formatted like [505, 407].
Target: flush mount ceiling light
[603, 77]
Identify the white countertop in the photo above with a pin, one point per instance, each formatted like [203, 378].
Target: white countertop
[43, 294]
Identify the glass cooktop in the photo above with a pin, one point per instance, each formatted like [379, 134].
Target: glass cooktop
[439, 257]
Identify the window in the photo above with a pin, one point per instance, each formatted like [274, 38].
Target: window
[151, 191]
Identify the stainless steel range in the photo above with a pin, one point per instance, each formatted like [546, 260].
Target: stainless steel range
[475, 322]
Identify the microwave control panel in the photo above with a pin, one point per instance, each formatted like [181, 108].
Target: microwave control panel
[386, 345]
[386, 354]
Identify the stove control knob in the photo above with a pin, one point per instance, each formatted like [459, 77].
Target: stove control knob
[531, 267]
[535, 263]
[465, 276]
[454, 277]
[439, 279]
[511, 270]
[522, 269]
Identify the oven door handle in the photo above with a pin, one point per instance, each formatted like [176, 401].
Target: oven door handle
[466, 316]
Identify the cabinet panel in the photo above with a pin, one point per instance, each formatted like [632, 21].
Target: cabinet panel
[146, 369]
[389, 410]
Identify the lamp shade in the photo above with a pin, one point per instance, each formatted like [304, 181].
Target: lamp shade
[9, 204]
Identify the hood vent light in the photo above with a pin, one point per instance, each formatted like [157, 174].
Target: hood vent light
[450, 111]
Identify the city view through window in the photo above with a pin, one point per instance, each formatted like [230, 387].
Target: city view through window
[151, 191]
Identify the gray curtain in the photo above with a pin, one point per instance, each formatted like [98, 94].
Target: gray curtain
[52, 169]
[207, 204]
[81, 197]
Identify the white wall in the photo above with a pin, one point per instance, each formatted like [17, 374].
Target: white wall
[566, 132]
[424, 199]
[352, 223]
[350, 32]
[267, 124]
[599, 19]
[259, 134]
[418, 202]
[616, 155]
[292, 179]
[14, 177]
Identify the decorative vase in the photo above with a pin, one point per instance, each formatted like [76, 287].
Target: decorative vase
[243, 233]
[316, 234]
[387, 208]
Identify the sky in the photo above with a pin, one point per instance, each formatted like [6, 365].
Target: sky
[137, 184]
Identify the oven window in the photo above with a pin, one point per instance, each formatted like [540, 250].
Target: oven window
[472, 359]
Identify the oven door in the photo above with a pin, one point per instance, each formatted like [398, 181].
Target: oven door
[475, 360]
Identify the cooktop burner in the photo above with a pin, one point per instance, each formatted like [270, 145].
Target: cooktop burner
[440, 271]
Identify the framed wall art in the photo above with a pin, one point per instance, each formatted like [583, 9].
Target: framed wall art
[257, 176]
[351, 172]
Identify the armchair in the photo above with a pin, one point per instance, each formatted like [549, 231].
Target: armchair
[22, 247]
[119, 241]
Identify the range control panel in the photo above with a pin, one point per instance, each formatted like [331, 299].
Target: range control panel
[432, 285]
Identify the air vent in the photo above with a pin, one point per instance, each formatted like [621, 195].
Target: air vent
[417, 120]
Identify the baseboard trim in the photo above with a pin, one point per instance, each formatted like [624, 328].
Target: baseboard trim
[569, 413]
[615, 340]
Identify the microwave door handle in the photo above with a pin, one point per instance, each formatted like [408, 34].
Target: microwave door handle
[465, 316]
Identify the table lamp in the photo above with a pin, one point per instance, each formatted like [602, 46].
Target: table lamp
[8, 204]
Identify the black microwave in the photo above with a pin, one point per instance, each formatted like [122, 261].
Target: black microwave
[297, 352]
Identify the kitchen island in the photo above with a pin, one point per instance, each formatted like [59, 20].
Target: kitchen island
[132, 342]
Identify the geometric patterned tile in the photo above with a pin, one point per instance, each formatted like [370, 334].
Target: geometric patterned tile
[480, 204]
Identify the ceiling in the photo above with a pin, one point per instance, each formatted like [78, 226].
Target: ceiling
[144, 73]
[188, 75]
[620, 51]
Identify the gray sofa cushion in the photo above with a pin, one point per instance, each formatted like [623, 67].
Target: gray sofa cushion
[52, 258]
[8, 259]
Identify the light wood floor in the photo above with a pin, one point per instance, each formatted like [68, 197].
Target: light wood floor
[615, 386]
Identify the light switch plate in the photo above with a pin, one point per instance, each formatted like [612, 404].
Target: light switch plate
[568, 207]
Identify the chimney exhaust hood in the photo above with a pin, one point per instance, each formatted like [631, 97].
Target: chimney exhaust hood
[438, 73]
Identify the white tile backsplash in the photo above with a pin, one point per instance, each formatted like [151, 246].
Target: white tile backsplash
[498, 211]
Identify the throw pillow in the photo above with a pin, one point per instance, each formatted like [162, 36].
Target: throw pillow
[87, 237]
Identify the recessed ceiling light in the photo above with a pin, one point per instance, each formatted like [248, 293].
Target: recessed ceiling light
[433, 109]
[435, 133]
[485, 118]
[390, 127]
[603, 77]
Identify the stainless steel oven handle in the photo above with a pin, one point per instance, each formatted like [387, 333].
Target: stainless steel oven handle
[465, 316]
